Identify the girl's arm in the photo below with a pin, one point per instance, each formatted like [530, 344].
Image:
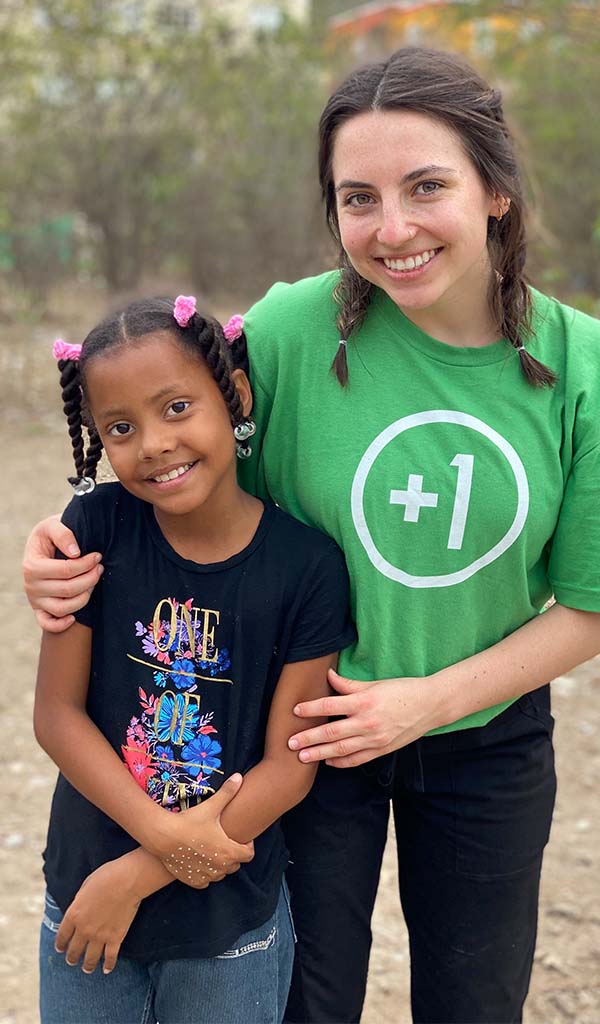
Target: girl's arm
[101, 913]
[387, 714]
[86, 758]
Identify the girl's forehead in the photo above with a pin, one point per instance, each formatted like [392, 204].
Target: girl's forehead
[139, 362]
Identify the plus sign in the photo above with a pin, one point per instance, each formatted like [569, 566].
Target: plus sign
[414, 498]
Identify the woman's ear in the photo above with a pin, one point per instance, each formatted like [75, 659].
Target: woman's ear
[242, 386]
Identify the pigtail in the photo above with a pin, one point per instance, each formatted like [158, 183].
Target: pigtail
[93, 454]
[352, 294]
[70, 384]
[510, 298]
[74, 409]
[211, 342]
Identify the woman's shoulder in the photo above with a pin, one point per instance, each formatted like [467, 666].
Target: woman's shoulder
[557, 326]
[286, 307]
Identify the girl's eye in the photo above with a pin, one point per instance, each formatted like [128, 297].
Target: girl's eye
[176, 408]
[427, 188]
[358, 199]
[120, 429]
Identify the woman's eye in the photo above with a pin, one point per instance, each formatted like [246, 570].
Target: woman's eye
[120, 429]
[176, 408]
[358, 199]
[427, 188]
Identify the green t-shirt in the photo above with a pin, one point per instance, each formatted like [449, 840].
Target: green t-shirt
[462, 497]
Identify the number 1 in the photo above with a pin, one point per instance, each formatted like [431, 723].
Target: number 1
[464, 463]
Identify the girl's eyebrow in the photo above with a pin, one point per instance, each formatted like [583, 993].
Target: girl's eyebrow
[168, 389]
[411, 176]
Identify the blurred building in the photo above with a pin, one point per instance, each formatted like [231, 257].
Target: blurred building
[369, 31]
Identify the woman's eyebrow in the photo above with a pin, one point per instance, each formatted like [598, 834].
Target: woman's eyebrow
[411, 176]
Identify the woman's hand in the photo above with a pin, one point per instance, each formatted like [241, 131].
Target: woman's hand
[193, 845]
[380, 717]
[99, 917]
[56, 588]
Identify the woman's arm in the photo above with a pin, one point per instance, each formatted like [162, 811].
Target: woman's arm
[56, 588]
[387, 714]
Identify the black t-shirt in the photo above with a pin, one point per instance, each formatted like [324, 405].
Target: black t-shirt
[185, 661]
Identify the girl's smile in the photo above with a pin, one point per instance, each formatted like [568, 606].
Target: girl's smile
[165, 426]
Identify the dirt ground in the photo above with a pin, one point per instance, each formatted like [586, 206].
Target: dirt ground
[566, 977]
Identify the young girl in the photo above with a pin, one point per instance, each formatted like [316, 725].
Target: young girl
[215, 616]
[454, 454]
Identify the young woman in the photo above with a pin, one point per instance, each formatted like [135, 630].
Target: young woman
[454, 454]
[216, 614]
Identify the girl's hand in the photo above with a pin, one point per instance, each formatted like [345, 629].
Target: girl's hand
[56, 588]
[380, 717]
[99, 917]
[194, 846]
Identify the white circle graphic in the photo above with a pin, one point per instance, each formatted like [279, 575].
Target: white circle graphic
[374, 450]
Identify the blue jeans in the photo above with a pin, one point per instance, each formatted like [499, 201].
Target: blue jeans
[245, 985]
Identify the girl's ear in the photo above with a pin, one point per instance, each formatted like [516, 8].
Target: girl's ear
[242, 386]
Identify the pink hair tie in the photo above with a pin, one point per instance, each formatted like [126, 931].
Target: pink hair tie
[184, 309]
[233, 328]
[62, 350]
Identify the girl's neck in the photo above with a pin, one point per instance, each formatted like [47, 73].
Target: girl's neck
[208, 535]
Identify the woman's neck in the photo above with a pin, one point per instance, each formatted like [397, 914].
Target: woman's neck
[462, 316]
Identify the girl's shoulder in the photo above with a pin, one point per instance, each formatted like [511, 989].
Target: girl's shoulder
[101, 516]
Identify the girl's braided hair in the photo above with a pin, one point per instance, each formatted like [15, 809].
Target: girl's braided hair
[441, 86]
[202, 336]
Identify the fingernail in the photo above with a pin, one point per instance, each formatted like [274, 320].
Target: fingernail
[73, 550]
[293, 744]
[106, 970]
[304, 755]
[72, 963]
[100, 570]
[86, 971]
[297, 709]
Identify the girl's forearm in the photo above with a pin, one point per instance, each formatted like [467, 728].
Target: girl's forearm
[91, 765]
[270, 789]
[545, 647]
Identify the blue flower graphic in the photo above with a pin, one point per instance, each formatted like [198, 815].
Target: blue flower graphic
[170, 725]
[165, 753]
[203, 752]
[182, 665]
[160, 678]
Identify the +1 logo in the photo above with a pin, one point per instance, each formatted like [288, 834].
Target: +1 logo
[414, 498]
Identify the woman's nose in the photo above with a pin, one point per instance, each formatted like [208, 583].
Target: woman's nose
[395, 228]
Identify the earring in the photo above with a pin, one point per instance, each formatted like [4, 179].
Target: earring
[242, 431]
[245, 429]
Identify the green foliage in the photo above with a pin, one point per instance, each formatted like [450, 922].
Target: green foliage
[546, 62]
[193, 148]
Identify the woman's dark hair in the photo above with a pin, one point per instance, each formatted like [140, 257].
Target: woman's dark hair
[444, 87]
[203, 337]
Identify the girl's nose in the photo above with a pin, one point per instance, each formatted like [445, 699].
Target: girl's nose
[155, 442]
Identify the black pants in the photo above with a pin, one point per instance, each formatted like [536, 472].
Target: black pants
[472, 812]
